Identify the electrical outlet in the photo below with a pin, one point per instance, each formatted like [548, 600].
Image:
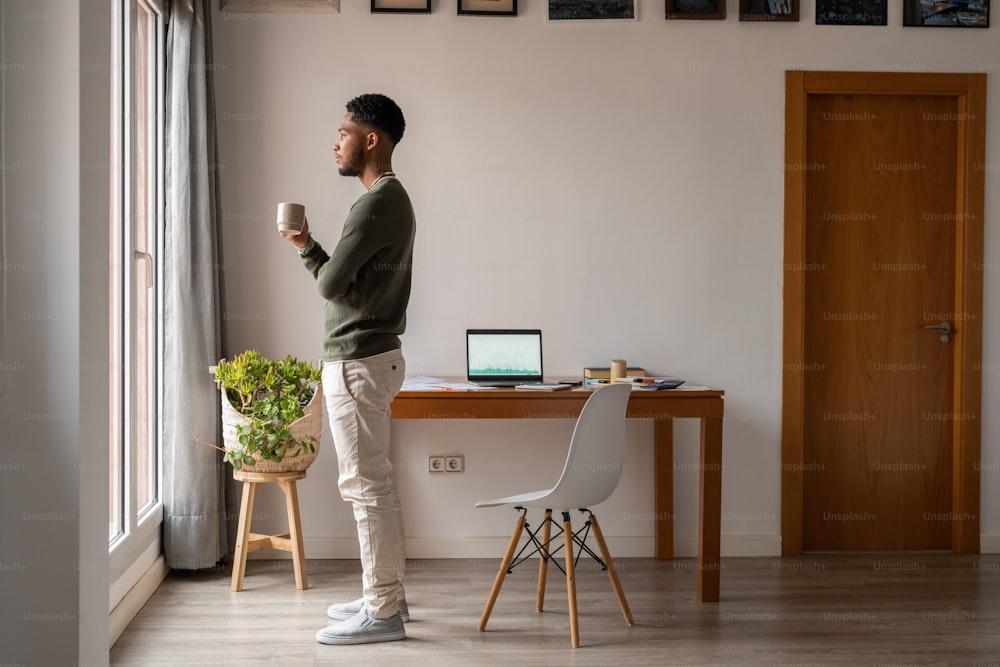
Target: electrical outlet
[436, 464]
[454, 463]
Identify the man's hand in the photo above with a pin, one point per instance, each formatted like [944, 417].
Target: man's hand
[298, 240]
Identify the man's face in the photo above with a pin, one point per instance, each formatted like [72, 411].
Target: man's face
[349, 148]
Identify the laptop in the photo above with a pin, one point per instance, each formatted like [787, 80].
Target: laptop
[503, 357]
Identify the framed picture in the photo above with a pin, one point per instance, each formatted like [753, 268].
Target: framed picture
[410, 6]
[769, 10]
[852, 12]
[567, 10]
[488, 7]
[953, 14]
[329, 6]
[696, 9]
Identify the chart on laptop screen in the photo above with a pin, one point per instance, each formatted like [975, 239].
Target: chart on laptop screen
[509, 354]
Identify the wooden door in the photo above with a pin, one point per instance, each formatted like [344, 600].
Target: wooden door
[878, 406]
[880, 223]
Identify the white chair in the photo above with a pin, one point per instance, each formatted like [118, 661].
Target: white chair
[593, 467]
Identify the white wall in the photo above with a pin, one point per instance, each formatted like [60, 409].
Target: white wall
[53, 365]
[617, 184]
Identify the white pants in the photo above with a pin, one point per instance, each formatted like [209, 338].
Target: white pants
[358, 393]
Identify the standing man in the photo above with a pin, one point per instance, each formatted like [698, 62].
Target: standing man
[366, 284]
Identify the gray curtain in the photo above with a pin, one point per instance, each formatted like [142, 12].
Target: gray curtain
[194, 529]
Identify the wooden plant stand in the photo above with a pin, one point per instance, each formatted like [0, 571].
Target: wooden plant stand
[290, 541]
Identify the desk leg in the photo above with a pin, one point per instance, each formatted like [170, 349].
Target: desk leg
[710, 510]
[663, 487]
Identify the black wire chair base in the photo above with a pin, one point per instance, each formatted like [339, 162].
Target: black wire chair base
[544, 548]
[537, 547]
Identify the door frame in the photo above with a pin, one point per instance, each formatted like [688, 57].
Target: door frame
[970, 91]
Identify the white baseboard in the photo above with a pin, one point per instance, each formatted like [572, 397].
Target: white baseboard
[989, 544]
[685, 546]
[494, 547]
[137, 596]
[733, 546]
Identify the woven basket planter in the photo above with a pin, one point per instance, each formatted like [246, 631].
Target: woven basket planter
[310, 424]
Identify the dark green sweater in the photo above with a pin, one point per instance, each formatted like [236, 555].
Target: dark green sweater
[366, 281]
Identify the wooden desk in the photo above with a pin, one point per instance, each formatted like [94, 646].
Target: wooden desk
[660, 406]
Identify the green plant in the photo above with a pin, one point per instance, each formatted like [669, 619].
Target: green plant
[272, 395]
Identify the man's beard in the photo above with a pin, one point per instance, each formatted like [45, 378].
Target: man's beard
[352, 165]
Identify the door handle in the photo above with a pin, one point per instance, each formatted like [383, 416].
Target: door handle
[944, 328]
[140, 255]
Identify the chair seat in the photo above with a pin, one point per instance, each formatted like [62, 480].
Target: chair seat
[530, 499]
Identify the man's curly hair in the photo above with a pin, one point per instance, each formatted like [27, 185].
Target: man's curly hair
[380, 112]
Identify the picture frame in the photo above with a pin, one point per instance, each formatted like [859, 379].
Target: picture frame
[769, 10]
[401, 6]
[953, 14]
[277, 6]
[571, 10]
[487, 7]
[696, 9]
[852, 12]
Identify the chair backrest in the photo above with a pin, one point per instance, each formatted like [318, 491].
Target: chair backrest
[596, 452]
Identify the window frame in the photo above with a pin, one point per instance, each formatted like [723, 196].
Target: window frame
[137, 543]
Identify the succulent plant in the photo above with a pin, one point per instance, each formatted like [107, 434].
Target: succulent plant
[272, 395]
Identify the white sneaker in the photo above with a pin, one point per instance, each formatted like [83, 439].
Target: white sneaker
[341, 611]
[362, 629]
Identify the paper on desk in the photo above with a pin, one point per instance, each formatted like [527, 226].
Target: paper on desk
[420, 383]
[429, 383]
[461, 386]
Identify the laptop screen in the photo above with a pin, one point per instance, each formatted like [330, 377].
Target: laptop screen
[504, 354]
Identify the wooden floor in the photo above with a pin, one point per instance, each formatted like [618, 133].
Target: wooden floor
[874, 610]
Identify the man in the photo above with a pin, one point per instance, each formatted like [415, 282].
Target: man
[366, 284]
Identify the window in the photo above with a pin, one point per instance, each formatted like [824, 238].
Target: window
[135, 512]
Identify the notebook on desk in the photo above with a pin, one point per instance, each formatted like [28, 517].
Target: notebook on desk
[503, 357]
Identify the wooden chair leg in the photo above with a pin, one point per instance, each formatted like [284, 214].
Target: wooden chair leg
[612, 573]
[243, 536]
[574, 629]
[543, 561]
[502, 573]
[295, 533]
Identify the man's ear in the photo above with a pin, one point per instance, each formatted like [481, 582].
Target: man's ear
[371, 140]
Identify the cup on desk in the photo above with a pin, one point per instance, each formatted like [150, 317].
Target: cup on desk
[291, 217]
[619, 369]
